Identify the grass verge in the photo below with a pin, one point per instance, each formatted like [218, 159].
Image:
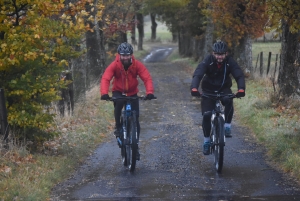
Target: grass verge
[276, 126]
[25, 176]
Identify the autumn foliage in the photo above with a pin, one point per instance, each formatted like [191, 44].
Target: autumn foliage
[234, 20]
[38, 38]
[283, 10]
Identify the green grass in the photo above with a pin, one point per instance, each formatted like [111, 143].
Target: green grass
[276, 127]
[160, 37]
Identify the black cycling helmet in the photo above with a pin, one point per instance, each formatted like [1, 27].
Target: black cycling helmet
[125, 49]
[220, 47]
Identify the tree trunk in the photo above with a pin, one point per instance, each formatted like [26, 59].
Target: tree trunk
[208, 41]
[179, 41]
[288, 78]
[79, 69]
[133, 38]
[87, 69]
[186, 42]
[175, 37]
[140, 27]
[243, 54]
[199, 46]
[153, 26]
[95, 59]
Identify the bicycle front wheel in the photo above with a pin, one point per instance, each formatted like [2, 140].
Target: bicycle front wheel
[219, 143]
[123, 141]
[131, 148]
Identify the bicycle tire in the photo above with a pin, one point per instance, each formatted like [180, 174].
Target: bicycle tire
[131, 148]
[123, 147]
[219, 143]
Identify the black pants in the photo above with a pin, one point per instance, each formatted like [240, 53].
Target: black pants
[207, 105]
[118, 105]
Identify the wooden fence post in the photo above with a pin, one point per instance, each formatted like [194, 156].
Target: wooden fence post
[261, 64]
[275, 66]
[256, 63]
[3, 116]
[269, 62]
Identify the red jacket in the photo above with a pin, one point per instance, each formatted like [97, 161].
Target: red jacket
[126, 81]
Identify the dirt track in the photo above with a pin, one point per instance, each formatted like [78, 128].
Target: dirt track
[172, 165]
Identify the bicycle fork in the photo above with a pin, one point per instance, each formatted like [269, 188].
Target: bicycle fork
[124, 129]
[213, 116]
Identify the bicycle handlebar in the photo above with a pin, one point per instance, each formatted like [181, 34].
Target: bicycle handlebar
[125, 98]
[218, 95]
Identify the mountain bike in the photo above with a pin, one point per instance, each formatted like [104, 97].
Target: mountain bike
[217, 133]
[128, 141]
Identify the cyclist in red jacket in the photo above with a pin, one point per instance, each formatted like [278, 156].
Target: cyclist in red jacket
[124, 71]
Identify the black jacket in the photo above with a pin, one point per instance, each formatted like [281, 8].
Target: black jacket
[217, 79]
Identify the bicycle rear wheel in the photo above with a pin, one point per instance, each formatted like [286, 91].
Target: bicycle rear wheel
[219, 143]
[131, 148]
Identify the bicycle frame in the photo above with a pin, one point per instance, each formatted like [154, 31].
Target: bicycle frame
[126, 111]
[129, 138]
[217, 133]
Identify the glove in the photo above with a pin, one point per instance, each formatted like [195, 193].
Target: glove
[195, 92]
[240, 93]
[105, 97]
[149, 97]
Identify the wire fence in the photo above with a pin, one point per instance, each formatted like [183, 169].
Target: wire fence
[267, 66]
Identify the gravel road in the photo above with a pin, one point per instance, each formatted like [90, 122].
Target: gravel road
[172, 166]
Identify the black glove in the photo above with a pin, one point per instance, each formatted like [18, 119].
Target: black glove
[105, 97]
[240, 93]
[195, 92]
[149, 97]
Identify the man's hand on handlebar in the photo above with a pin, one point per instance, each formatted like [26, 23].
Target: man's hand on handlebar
[105, 97]
[195, 92]
[240, 93]
[149, 97]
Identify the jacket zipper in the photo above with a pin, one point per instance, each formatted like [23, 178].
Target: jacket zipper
[126, 82]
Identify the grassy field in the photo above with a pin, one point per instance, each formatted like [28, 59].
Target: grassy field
[162, 32]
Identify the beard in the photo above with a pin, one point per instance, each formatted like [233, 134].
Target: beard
[126, 63]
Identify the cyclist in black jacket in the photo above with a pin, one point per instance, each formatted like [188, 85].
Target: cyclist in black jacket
[214, 72]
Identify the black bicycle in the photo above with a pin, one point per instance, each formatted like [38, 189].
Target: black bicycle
[217, 133]
[128, 141]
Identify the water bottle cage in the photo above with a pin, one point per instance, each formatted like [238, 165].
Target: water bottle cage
[128, 109]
